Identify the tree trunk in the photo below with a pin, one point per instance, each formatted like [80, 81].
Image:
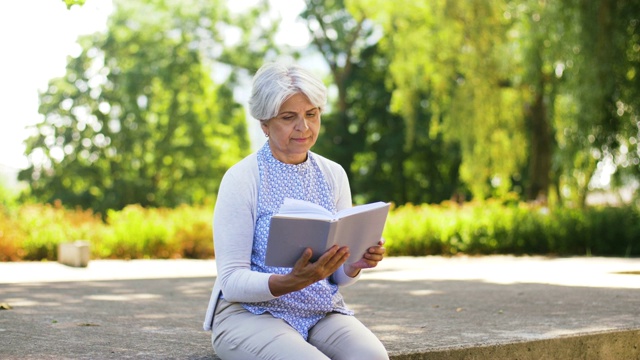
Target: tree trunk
[541, 150]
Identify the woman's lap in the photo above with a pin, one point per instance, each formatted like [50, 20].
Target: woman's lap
[343, 337]
[239, 334]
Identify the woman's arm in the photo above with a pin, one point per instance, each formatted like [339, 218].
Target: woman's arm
[233, 227]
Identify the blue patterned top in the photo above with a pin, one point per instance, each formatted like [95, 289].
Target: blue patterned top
[301, 309]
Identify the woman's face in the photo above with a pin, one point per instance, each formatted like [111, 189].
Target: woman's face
[294, 130]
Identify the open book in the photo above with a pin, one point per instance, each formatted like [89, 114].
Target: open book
[301, 224]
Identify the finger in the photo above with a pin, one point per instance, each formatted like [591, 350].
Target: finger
[304, 258]
[381, 242]
[329, 255]
[326, 257]
[341, 255]
[376, 250]
[375, 254]
[345, 255]
[373, 257]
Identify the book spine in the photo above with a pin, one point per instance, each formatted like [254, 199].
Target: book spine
[332, 238]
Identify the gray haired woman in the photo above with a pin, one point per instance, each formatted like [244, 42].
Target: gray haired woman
[262, 312]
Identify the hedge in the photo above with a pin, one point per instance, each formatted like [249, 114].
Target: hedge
[33, 232]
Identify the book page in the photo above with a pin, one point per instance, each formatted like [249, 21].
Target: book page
[292, 208]
[360, 208]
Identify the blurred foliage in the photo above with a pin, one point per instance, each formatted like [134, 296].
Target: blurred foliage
[491, 227]
[33, 232]
[509, 99]
[137, 119]
[537, 94]
[8, 197]
[435, 54]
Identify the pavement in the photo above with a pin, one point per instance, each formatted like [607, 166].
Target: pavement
[490, 307]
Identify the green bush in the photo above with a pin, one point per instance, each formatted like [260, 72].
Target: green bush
[495, 228]
[33, 231]
[136, 232]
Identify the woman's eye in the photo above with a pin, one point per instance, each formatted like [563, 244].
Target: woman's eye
[288, 118]
[310, 115]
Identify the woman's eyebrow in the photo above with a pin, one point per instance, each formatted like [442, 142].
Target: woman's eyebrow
[293, 112]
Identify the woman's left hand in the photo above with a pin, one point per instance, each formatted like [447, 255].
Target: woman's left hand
[370, 259]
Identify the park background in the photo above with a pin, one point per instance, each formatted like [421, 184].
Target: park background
[493, 127]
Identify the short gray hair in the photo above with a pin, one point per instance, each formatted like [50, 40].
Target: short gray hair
[276, 82]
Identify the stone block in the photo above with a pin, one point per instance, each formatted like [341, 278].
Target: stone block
[74, 254]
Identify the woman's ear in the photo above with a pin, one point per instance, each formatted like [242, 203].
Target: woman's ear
[264, 124]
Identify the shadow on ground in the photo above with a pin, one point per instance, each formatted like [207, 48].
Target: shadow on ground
[151, 319]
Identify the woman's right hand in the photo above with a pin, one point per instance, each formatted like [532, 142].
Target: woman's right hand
[305, 273]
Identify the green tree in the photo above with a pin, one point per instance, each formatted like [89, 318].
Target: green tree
[536, 93]
[452, 57]
[578, 61]
[386, 168]
[137, 118]
[602, 93]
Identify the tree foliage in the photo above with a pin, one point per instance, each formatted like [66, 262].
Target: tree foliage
[536, 93]
[433, 100]
[137, 118]
[451, 58]
[602, 91]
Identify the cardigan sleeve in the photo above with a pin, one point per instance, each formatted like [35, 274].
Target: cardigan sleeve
[233, 227]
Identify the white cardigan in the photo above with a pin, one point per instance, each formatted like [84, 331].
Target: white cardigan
[234, 221]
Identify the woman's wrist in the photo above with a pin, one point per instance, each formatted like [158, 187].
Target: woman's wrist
[283, 284]
[351, 271]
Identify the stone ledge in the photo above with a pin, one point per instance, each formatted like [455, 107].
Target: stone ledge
[468, 308]
[613, 345]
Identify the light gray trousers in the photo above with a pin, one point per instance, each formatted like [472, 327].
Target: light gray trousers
[239, 334]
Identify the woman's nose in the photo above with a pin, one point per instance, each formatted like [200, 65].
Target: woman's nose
[302, 124]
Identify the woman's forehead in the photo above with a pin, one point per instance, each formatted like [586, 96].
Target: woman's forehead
[297, 103]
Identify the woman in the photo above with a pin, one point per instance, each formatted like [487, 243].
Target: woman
[261, 312]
